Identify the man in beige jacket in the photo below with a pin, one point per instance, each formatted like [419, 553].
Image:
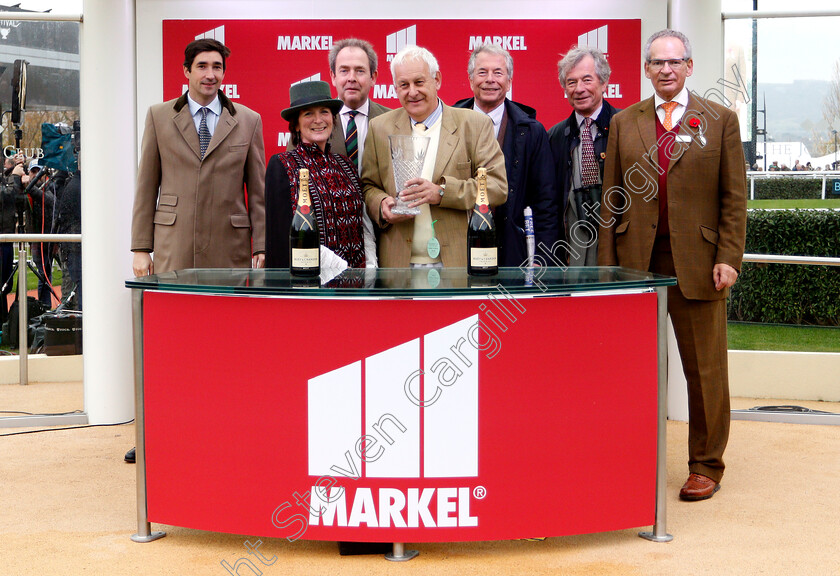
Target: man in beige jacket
[461, 141]
[201, 156]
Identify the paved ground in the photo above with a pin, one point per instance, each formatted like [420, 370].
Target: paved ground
[67, 506]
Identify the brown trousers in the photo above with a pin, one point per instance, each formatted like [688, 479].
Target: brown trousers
[700, 327]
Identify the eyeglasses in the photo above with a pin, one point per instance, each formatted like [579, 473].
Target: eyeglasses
[676, 64]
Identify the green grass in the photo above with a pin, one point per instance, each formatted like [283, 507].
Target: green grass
[770, 204]
[751, 336]
[32, 280]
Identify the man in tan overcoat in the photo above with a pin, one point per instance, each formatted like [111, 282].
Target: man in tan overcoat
[201, 156]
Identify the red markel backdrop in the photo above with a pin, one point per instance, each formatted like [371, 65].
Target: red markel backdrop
[269, 55]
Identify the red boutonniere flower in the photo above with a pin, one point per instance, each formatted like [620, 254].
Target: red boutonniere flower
[694, 122]
[603, 155]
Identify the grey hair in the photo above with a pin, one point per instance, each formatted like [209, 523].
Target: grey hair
[354, 43]
[490, 49]
[412, 52]
[573, 57]
[668, 33]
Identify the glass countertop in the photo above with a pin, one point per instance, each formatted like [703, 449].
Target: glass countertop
[400, 282]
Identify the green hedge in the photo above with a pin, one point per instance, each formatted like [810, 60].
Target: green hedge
[789, 293]
[793, 188]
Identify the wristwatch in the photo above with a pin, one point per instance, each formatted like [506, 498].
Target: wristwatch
[442, 188]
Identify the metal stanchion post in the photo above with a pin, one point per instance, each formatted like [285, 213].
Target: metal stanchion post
[144, 528]
[23, 317]
[400, 554]
[660, 533]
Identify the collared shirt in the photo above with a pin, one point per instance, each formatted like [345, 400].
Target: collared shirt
[496, 115]
[431, 118]
[593, 129]
[681, 99]
[212, 119]
[361, 119]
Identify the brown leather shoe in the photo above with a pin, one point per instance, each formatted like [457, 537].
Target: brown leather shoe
[698, 487]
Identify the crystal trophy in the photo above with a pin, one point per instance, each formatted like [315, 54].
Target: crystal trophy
[408, 153]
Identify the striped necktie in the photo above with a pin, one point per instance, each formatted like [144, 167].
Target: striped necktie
[203, 132]
[351, 142]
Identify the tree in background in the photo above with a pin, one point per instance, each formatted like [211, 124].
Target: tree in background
[823, 138]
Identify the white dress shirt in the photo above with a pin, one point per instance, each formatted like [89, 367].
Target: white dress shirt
[496, 115]
[213, 114]
[682, 103]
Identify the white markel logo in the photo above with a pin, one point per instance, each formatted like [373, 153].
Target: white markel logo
[312, 78]
[509, 43]
[399, 40]
[304, 43]
[595, 39]
[214, 34]
[386, 388]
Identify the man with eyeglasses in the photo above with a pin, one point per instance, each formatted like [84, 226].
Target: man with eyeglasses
[579, 145]
[528, 162]
[678, 207]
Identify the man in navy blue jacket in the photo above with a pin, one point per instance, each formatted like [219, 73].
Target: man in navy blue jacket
[584, 74]
[528, 161]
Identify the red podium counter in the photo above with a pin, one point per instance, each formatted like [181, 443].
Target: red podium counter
[401, 405]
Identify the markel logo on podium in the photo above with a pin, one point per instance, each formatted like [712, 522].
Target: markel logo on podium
[374, 418]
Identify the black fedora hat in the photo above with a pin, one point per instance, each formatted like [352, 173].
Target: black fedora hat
[305, 94]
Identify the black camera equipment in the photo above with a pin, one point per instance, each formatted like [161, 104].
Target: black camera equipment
[77, 137]
[35, 180]
[18, 98]
[21, 203]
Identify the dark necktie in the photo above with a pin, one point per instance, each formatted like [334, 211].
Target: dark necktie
[203, 132]
[588, 165]
[351, 142]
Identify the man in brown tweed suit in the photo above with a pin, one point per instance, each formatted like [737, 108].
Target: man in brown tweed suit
[675, 204]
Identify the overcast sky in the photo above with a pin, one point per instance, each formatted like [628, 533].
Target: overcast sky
[789, 48]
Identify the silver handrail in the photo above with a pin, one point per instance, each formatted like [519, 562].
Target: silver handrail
[780, 259]
[823, 175]
[41, 17]
[23, 321]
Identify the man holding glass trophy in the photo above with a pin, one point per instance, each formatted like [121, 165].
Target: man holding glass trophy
[419, 169]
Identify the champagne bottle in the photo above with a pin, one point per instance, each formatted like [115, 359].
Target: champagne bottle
[482, 253]
[304, 242]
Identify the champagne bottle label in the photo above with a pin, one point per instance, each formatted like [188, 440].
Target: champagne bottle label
[484, 257]
[305, 258]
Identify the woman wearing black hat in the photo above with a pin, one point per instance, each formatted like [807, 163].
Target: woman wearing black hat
[333, 183]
